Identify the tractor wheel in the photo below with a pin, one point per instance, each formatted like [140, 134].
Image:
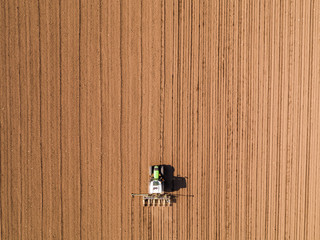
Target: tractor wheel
[162, 170]
[150, 170]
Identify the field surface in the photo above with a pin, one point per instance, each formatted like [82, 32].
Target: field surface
[93, 92]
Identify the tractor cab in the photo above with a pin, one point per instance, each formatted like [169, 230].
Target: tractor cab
[155, 187]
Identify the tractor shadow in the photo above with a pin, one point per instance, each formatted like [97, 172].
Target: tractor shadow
[172, 183]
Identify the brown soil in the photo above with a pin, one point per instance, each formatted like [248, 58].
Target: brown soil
[94, 92]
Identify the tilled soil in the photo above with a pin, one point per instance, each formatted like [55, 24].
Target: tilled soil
[94, 92]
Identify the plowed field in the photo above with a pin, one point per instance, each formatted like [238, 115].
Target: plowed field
[93, 92]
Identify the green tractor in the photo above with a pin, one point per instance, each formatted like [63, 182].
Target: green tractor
[156, 195]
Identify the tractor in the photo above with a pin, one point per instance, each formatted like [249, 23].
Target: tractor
[156, 195]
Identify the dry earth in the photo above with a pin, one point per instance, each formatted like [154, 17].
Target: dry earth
[93, 92]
